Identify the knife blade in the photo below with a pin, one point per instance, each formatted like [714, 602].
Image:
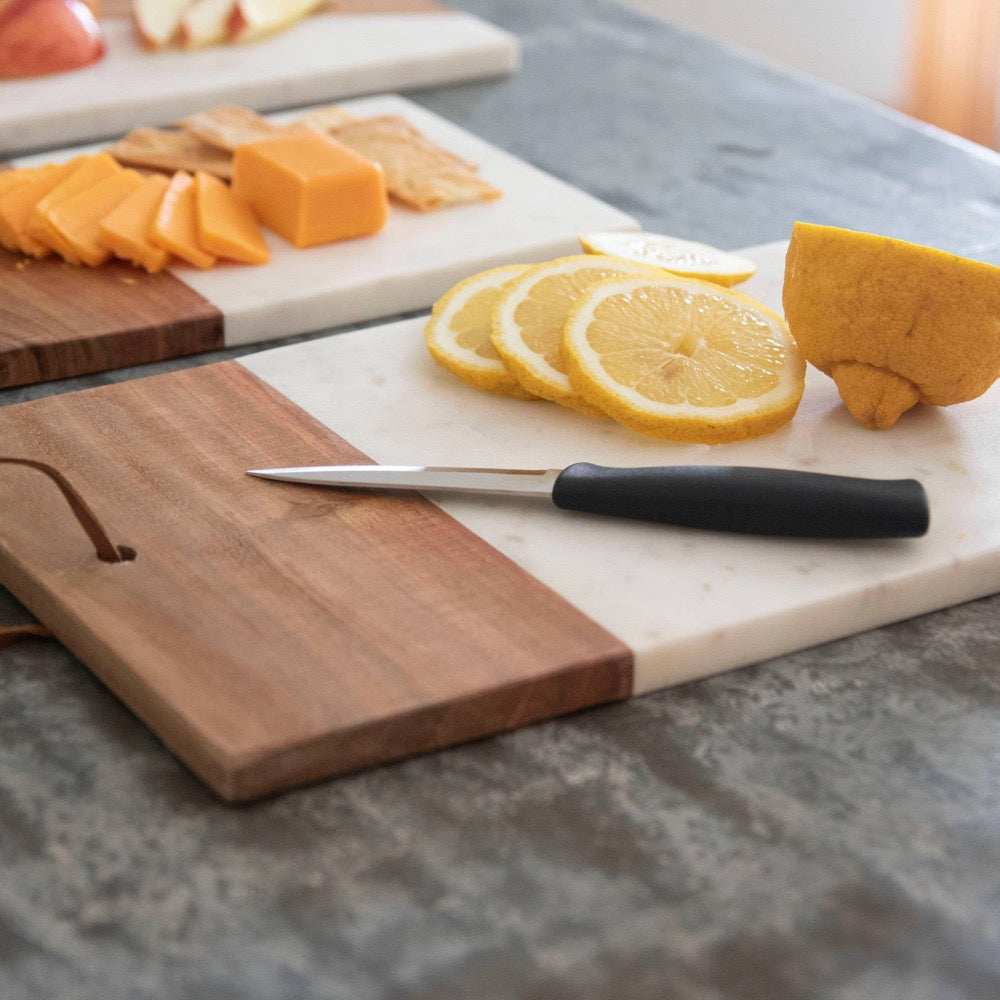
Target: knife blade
[742, 499]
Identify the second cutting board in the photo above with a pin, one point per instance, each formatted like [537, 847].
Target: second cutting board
[58, 321]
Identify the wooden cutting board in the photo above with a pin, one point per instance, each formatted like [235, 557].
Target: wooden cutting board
[57, 320]
[274, 633]
[368, 46]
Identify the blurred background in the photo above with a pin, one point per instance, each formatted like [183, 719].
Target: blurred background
[937, 60]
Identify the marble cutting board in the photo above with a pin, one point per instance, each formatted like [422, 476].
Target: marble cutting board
[326, 57]
[57, 321]
[687, 603]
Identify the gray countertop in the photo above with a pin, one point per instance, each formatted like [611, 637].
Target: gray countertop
[823, 825]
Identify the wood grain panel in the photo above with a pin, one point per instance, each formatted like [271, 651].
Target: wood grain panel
[273, 633]
[57, 320]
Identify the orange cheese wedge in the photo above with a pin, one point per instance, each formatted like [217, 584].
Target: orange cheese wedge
[87, 172]
[19, 201]
[227, 225]
[311, 189]
[175, 226]
[124, 230]
[77, 218]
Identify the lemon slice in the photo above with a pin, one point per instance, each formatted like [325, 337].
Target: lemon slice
[458, 332]
[692, 260]
[529, 315]
[683, 359]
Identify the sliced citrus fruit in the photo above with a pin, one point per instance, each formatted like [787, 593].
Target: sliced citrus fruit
[684, 257]
[458, 332]
[529, 315]
[893, 323]
[683, 359]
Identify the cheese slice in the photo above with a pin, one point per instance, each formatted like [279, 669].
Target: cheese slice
[311, 189]
[10, 179]
[227, 225]
[88, 171]
[124, 230]
[18, 202]
[77, 218]
[175, 226]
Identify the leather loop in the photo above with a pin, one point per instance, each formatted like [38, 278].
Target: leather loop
[9, 634]
[107, 551]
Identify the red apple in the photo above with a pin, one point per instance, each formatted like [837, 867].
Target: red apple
[38, 37]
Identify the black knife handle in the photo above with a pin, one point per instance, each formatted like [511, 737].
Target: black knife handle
[749, 500]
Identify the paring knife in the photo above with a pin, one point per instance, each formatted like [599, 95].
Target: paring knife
[742, 499]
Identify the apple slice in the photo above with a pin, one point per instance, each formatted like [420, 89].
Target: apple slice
[38, 37]
[204, 23]
[157, 22]
[253, 19]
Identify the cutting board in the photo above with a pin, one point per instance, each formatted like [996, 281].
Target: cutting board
[57, 320]
[371, 47]
[274, 633]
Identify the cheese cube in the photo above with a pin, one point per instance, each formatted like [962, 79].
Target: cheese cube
[310, 189]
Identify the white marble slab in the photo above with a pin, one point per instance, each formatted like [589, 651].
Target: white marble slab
[325, 57]
[689, 603]
[416, 257]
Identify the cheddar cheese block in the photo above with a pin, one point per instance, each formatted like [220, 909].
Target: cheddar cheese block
[77, 218]
[125, 229]
[88, 171]
[311, 189]
[18, 202]
[227, 225]
[175, 226]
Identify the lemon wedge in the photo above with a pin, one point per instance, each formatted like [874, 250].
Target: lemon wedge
[684, 257]
[529, 315]
[458, 332]
[683, 359]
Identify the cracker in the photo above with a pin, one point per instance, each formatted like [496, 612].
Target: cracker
[227, 126]
[418, 172]
[330, 116]
[170, 150]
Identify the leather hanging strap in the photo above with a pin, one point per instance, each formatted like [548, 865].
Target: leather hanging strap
[107, 551]
[9, 634]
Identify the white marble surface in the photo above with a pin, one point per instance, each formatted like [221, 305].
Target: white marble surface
[325, 57]
[688, 603]
[413, 260]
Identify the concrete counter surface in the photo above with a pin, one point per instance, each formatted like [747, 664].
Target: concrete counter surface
[825, 825]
